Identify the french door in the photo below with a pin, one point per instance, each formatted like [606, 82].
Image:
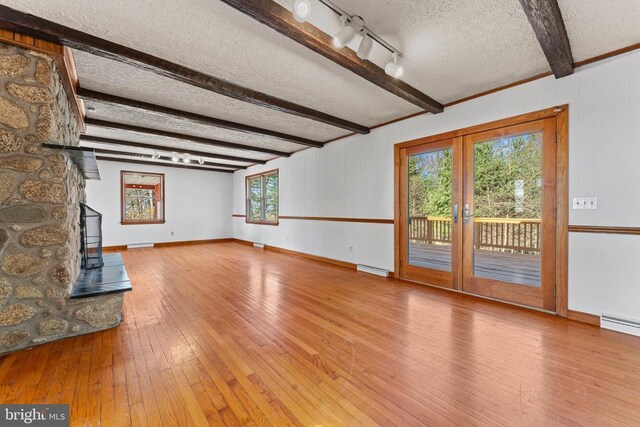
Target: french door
[477, 213]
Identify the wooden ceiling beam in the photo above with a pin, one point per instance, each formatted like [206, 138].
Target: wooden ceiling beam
[546, 19]
[185, 137]
[50, 31]
[97, 139]
[280, 19]
[166, 165]
[90, 95]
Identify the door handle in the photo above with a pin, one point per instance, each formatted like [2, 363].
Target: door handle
[455, 213]
[467, 213]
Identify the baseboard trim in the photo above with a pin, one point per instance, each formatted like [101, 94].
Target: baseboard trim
[297, 254]
[191, 242]
[579, 316]
[120, 248]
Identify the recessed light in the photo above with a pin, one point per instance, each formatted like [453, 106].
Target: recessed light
[301, 10]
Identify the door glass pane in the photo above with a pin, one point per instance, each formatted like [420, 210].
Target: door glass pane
[429, 200]
[508, 209]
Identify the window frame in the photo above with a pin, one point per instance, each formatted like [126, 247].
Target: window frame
[262, 220]
[123, 220]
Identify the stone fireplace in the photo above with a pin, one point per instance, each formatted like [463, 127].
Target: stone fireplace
[40, 194]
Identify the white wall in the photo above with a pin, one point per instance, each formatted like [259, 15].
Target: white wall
[354, 178]
[197, 204]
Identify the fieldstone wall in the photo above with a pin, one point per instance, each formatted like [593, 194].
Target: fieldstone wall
[40, 192]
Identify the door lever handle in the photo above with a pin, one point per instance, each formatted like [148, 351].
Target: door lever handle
[455, 213]
[467, 213]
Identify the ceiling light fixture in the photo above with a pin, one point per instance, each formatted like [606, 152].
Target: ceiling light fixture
[351, 25]
[366, 45]
[174, 157]
[394, 69]
[301, 10]
[186, 159]
[155, 155]
[201, 161]
[345, 35]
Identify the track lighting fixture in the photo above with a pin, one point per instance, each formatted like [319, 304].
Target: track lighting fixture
[352, 24]
[186, 159]
[366, 45]
[174, 157]
[155, 155]
[345, 35]
[201, 161]
[394, 69]
[301, 10]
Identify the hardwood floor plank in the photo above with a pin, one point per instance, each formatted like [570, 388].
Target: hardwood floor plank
[224, 334]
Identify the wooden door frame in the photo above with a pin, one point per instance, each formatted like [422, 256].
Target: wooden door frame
[561, 114]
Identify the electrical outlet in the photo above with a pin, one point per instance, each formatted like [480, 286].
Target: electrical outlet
[585, 203]
[578, 203]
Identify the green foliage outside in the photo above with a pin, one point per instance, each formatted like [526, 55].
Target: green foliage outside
[140, 204]
[508, 180]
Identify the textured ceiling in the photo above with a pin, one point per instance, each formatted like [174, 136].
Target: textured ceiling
[172, 143]
[132, 116]
[451, 49]
[119, 79]
[600, 26]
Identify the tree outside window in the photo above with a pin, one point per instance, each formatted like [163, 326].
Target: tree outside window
[142, 198]
[262, 198]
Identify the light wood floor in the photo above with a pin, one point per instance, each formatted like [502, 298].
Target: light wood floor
[228, 334]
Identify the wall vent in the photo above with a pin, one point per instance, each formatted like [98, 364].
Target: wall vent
[259, 245]
[373, 270]
[139, 245]
[620, 324]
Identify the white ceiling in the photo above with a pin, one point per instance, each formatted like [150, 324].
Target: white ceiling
[452, 49]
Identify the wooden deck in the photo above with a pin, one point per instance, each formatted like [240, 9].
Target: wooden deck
[507, 267]
[226, 334]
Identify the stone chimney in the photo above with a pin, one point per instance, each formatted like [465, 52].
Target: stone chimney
[40, 192]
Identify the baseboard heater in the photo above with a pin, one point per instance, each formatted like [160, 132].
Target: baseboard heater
[620, 324]
[139, 245]
[373, 270]
[259, 245]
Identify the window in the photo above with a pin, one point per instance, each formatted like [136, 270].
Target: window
[262, 198]
[142, 197]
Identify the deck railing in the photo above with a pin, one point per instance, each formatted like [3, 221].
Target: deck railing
[498, 234]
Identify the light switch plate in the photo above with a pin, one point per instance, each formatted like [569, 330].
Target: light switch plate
[578, 203]
[592, 203]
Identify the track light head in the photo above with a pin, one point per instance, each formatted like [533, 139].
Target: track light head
[394, 69]
[301, 10]
[155, 155]
[186, 159]
[174, 157]
[348, 32]
[366, 45]
[201, 161]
